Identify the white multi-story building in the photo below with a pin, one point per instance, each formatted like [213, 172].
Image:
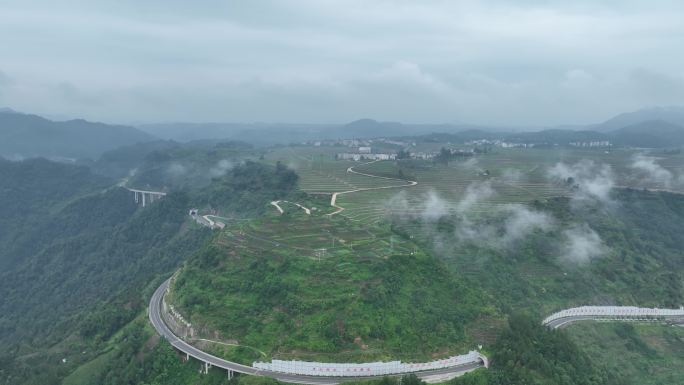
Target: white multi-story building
[593, 143]
[357, 157]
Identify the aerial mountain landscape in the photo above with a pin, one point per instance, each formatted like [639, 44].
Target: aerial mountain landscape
[404, 272]
[373, 194]
[25, 136]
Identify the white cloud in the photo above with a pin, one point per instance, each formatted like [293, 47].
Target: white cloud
[577, 78]
[649, 172]
[435, 207]
[430, 208]
[475, 193]
[176, 170]
[592, 181]
[512, 175]
[582, 244]
[471, 164]
[4, 79]
[513, 223]
[398, 205]
[221, 168]
[522, 221]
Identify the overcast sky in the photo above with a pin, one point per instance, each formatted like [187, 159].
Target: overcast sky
[432, 61]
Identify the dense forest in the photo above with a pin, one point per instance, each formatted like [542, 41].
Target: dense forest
[75, 272]
[528, 353]
[81, 258]
[171, 166]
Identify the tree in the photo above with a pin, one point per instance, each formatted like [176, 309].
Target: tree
[411, 379]
[403, 154]
[444, 156]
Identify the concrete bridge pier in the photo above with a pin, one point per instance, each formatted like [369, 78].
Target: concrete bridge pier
[207, 366]
[145, 197]
[231, 374]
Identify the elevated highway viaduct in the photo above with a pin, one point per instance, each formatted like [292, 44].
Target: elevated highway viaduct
[208, 360]
[614, 313]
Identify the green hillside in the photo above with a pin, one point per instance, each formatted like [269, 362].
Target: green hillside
[640, 261]
[126, 160]
[30, 191]
[80, 260]
[349, 302]
[165, 166]
[650, 134]
[648, 354]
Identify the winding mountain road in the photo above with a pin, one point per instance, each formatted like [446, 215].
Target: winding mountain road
[339, 209]
[613, 313]
[158, 323]
[276, 204]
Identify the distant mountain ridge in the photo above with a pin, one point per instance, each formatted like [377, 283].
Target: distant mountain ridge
[26, 135]
[655, 127]
[282, 133]
[650, 134]
[363, 127]
[673, 115]
[368, 128]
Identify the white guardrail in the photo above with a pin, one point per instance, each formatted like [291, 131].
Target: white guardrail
[614, 312]
[368, 369]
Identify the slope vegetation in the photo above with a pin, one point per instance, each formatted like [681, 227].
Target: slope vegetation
[79, 257]
[346, 303]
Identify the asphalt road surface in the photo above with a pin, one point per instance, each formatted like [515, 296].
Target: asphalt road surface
[562, 322]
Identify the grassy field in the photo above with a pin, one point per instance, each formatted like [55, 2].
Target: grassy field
[90, 371]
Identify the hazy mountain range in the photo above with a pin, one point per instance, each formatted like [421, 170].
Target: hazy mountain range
[653, 127]
[26, 135]
[672, 115]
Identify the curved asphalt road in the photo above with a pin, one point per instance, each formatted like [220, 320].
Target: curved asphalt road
[333, 199]
[562, 322]
[164, 331]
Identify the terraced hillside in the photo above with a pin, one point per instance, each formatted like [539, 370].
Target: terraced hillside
[367, 283]
[511, 176]
[319, 288]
